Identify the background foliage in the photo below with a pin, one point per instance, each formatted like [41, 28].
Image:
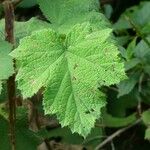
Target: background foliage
[127, 110]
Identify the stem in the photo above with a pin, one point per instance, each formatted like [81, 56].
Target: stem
[9, 36]
[117, 133]
[139, 106]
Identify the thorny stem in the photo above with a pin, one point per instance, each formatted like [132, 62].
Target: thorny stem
[9, 36]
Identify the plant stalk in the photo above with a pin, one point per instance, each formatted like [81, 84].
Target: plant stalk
[117, 133]
[9, 36]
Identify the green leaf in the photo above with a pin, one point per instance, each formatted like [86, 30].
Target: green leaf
[132, 63]
[126, 86]
[71, 68]
[25, 138]
[122, 40]
[147, 134]
[27, 3]
[112, 121]
[59, 11]
[146, 120]
[130, 49]
[23, 29]
[6, 63]
[120, 107]
[146, 29]
[136, 14]
[108, 10]
[146, 117]
[142, 49]
[66, 13]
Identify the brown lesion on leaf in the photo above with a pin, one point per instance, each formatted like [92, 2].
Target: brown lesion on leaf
[74, 78]
[75, 66]
[113, 67]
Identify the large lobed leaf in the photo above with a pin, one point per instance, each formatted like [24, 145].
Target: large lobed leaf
[71, 68]
[60, 11]
[66, 13]
[22, 28]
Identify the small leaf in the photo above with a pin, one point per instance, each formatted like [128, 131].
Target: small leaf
[122, 40]
[147, 134]
[136, 14]
[132, 63]
[141, 49]
[126, 86]
[130, 49]
[146, 29]
[108, 10]
[146, 117]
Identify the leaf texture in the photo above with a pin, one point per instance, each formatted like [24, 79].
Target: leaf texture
[71, 68]
[6, 63]
[60, 11]
[23, 29]
[66, 13]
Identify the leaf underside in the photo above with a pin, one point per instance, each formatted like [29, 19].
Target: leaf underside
[71, 68]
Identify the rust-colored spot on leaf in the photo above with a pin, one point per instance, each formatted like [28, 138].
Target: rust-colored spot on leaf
[75, 66]
[74, 78]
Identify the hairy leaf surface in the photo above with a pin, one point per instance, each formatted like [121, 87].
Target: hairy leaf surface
[60, 11]
[66, 13]
[71, 68]
[22, 29]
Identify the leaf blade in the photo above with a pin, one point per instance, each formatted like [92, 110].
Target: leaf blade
[70, 69]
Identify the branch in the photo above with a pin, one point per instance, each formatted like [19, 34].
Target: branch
[117, 133]
[9, 36]
[16, 2]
